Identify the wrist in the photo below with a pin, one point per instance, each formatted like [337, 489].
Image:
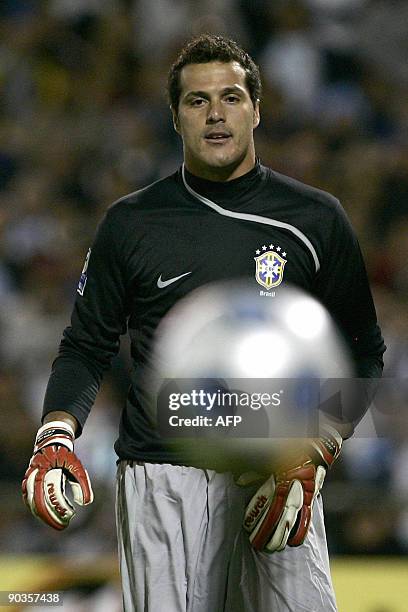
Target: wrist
[61, 415]
[55, 432]
[328, 446]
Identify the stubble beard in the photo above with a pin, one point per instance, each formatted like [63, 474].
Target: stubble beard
[223, 160]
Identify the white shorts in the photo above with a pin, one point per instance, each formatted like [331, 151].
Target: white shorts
[182, 548]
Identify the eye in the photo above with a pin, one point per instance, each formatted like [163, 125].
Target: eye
[197, 102]
[232, 99]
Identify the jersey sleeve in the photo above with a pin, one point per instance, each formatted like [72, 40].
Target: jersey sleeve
[98, 320]
[342, 286]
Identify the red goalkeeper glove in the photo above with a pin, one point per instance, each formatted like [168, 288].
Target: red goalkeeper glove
[52, 464]
[279, 514]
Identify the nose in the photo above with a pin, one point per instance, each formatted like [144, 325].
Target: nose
[215, 112]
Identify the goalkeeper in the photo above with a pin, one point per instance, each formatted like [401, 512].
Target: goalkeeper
[190, 539]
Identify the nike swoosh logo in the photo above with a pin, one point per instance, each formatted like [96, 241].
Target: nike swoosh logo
[162, 284]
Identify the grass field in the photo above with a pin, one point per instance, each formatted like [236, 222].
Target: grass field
[361, 584]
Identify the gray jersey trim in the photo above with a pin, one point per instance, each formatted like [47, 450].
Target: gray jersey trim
[253, 218]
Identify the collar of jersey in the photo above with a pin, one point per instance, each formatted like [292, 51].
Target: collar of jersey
[227, 192]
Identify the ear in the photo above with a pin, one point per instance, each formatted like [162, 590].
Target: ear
[257, 116]
[176, 123]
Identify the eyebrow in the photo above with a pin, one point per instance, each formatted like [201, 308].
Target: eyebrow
[204, 94]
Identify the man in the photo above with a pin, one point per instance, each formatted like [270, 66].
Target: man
[181, 542]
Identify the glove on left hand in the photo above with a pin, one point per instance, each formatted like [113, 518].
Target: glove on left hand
[281, 510]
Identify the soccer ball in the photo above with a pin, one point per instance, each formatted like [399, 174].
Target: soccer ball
[238, 376]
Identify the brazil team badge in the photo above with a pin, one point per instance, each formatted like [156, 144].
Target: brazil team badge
[269, 269]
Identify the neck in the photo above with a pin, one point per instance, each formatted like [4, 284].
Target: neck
[223, 174]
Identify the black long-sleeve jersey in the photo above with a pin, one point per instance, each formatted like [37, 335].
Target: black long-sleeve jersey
[262, 225]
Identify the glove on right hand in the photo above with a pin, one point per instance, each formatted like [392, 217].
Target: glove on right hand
[52, 464]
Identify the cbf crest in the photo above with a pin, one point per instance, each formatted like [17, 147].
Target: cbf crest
[270, 265]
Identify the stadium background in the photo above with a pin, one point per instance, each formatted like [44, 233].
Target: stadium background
[83, 121]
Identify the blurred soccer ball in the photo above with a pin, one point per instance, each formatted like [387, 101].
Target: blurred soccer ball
[225, 341]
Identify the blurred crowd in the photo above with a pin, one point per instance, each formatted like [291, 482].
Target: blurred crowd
[84, 120]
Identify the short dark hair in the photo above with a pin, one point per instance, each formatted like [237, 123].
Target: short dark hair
[210, 48]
